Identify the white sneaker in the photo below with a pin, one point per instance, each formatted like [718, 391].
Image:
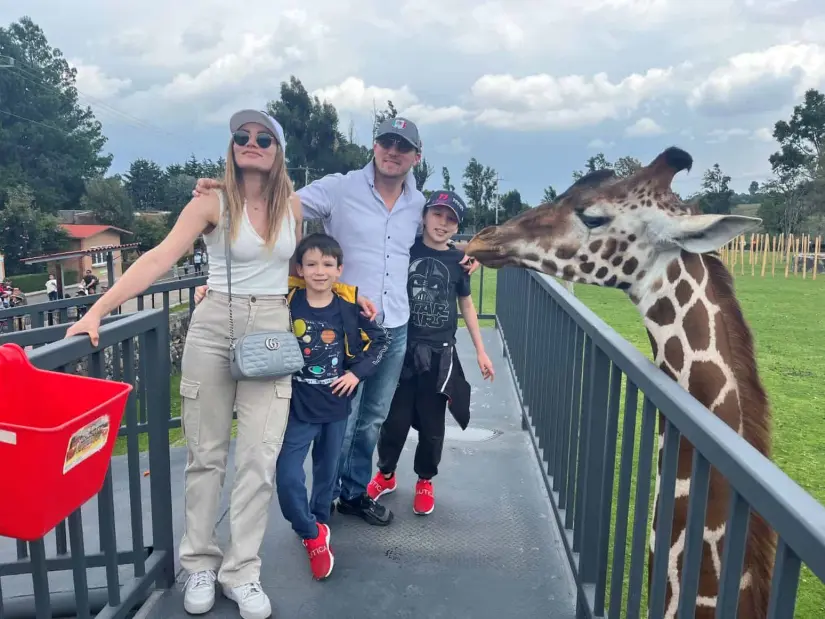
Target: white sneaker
[199, 592]
[252, 602]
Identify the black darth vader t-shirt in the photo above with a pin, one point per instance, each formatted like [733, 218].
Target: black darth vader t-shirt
[435, 280]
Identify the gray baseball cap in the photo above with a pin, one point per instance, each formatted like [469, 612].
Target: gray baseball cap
[242, 117]
[402, 127]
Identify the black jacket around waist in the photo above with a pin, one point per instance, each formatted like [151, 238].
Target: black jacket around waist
[451, 382]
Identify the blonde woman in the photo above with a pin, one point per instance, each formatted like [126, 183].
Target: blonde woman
[265, 228]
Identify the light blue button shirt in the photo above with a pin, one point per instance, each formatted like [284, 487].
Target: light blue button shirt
[376, 241]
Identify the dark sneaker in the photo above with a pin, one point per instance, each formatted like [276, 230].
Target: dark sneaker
[363, 506]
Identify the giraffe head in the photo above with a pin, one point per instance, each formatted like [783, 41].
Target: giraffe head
[610, 231]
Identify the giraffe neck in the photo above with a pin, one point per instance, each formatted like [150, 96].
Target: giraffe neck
[700, 339]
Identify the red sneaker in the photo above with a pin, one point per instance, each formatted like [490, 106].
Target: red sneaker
[320, 554]
[424, 502]
[379, 486]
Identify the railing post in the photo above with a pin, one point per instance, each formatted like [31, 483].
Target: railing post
[158, 420]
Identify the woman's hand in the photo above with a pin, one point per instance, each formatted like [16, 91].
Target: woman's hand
[89, 324]
[200, 293]
[368, 309]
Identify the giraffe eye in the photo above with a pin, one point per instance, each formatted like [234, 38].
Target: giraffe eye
[592, 221]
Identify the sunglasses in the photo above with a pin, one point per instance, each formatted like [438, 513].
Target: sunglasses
[386, 142]
[263, 140]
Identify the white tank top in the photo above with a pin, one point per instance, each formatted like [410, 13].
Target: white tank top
[255, 268]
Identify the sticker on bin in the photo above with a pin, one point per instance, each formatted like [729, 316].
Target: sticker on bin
[10, 438]
[86, 442]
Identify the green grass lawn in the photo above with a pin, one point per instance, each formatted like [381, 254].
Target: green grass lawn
[790, 340]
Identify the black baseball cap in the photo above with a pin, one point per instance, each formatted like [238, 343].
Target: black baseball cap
[449, 199]
[400, 127]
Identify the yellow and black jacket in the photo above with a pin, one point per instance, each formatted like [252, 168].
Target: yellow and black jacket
[365, 342]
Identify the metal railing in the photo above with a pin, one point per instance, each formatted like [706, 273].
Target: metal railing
[69, 310]
[570, 369]
[134, 562]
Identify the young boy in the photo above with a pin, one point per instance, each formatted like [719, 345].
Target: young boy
[340, 348]
[432, 375]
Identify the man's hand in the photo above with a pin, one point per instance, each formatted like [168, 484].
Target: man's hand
[200, 293]
[486, 366]
[204, 186]
[368, 309]
[345, 385]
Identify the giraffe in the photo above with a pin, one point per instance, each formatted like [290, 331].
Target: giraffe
[636, 235]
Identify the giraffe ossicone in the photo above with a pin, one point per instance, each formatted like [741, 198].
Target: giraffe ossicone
[637, 235]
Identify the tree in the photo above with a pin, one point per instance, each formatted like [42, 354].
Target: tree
[108, 199]
[422, 172]
[146, 185]
[798, 176]
[316, 146]
[626, 166]
[480, 187]
[48, 142]
[549, 194]
[511, 205]
[25, 230]
[717, 194]
[445, 177]
[178, 194]
[753, 189]
[597, 162]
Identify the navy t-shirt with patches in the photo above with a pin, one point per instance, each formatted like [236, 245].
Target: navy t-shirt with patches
[320, 333]
[434, 281]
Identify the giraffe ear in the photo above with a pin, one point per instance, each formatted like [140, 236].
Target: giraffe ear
[703, 233]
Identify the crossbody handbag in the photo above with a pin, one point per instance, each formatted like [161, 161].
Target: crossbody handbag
[264, 355]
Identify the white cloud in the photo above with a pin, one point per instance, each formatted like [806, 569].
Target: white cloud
[456, 146]
[92, 81]
[599, 144]
[353, 95]
[568, 102]
[644, 127]
[761, 80]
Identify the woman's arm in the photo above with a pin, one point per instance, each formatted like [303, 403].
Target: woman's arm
[194, 219]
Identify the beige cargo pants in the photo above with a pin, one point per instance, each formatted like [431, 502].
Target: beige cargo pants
[208, 395]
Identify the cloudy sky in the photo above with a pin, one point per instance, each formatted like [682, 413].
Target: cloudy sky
[530, 87]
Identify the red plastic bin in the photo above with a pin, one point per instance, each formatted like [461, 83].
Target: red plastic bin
[57, 432]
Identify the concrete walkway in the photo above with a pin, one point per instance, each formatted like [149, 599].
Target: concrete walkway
[490, 550]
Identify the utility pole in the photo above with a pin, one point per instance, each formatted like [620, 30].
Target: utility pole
[498, 194]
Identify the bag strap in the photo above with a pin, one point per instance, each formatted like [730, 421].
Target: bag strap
[228, 258]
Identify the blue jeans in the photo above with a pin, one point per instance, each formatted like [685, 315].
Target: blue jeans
[290, 478]
[370, 407]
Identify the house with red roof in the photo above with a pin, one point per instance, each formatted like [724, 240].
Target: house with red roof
[92, 236]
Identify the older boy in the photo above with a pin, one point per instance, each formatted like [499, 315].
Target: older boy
[431, 375]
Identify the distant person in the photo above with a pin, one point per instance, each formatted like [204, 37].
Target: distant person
[265, 226]
[197, 259]
[90, 282]
[432, 373]
[51, 287]
[374, 213]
